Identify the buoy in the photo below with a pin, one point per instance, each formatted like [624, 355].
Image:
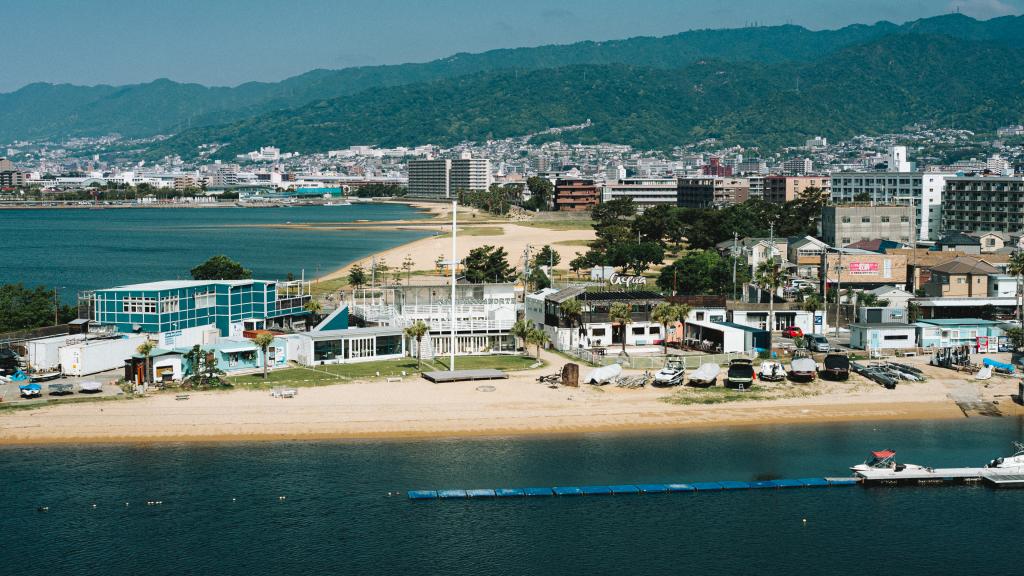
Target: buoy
[232, 499]
[93, 505]
[43, 509]
[805, 520]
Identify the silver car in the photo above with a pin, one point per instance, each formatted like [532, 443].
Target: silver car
[818, 343]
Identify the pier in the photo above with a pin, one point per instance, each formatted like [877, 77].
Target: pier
[1000, 478]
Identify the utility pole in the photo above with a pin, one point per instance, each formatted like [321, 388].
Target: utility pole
[56, 306]
[735, 257]
[839, 287]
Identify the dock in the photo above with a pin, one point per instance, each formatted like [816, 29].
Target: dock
[442, 376]
[996, 477]
[629, 489]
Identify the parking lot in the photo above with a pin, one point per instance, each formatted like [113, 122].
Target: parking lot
[9, 393]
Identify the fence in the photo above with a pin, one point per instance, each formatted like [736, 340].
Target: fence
[690, 361]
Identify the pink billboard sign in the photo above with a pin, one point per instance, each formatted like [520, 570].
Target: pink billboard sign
[862, 267]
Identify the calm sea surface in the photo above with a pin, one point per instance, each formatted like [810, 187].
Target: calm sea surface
[89, 249]
[221, 512]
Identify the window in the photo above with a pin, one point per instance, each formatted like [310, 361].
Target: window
[205, 300]
[961, 280]
[885, 219]
[326, 350]
[904, 219]
[597, 332]
[846, 239]
[387, 345]
[700, 316]
[169, 304]
[865, 219]
[654, 330]
[138, 305]
[896, 337]
[846, 219]
[638, 331]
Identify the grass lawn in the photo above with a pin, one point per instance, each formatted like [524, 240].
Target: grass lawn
[328, 286]
[300, 377]
[559, 224]
[585, 243]
[500, 362]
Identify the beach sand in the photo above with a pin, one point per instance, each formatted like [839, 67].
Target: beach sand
[417, 408]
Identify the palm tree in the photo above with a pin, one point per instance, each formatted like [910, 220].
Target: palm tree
[417, 331]
[663, 314]
[1015, 267]
[538, 337]
[811, 304]
[572, 312]
[263, 340]
[622, 314]
[521, 330]
[682, 313]
[770, 277]
[146, 348]
[315, 308]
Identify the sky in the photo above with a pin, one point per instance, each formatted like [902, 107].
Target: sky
[228, 42]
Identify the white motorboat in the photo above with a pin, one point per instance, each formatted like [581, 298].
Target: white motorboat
[706, 375]
[90, 386]
[771, 371]
[1014, 461]
[803, 369]
[671, 374]
[886, 460]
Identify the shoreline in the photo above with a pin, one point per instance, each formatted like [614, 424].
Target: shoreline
[922, 412]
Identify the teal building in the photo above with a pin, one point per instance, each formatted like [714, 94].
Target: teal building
[232, 306]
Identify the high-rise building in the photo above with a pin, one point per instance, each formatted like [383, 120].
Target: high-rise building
[898, 161]
[924, 191]
[715, 167]
[645, 192]
[983, 204]
[711, 191]
[468, 173]
[798, 166]
[429, 178]
[782, 189]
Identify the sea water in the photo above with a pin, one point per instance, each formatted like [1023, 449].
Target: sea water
[324, 507]
[81, 249]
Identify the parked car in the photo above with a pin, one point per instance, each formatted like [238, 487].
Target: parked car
[818, 343]
[740, 374]
[792, 332]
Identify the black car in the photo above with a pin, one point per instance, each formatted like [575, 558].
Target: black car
[837, 367]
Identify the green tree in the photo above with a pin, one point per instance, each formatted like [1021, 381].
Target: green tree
[664, 313]
[546, 256]
[315, 308]
[263, 340]
[23, 308]
[622, 314]
[537, 337]
[357, 275]
[572, 312]
[203, 368]
[701, 272]
[769, 277]
[381, 268]
[538, 279]
[220, 268]
[520, 330]
[417, 330]
[635, 257]
[579, 263]
[146, 348]
[541, 190]
[488, 264]
[1015, 267]
[682, 313]
[407, 266]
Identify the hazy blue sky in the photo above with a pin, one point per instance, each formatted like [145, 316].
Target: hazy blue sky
[226, 42]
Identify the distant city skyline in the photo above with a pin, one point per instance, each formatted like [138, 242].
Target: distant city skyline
[228, 42]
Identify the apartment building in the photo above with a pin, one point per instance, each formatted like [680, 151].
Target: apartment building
[962, 277]
[645, 192]
[845, 224]
[782, 189]
[983, 204]
[923, 191]
[798, 166]
[429, 178]
[711, 191]
[576, 195]
[470, 173]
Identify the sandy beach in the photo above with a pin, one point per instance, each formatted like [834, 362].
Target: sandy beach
[519, 405]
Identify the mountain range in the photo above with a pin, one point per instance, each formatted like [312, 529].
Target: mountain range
[761, 85]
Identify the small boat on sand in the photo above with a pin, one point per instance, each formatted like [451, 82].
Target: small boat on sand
[837, 367]
[45, 376]
[705, 376]
[90, 386]
[803, 369]
[771, 371]
[30, 390]
[671, 374]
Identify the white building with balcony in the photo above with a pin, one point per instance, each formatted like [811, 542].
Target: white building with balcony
[484, 315]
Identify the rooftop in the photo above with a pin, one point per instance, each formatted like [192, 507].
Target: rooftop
[965, 265]
[173, 284]
[959, 322]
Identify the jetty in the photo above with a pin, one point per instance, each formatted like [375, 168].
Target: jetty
[1000, 478]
